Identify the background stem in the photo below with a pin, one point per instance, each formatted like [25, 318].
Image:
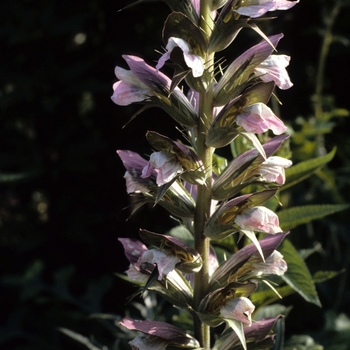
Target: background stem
[318, 97]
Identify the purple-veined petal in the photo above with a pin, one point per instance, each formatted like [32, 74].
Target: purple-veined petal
[191, 260]
[125, 94]
[135, 185]
[128, 77]
[259, 331]
[274, 69]
[259, 219]
[135, 275]
[134, 165]
[165, 262]
[239, 309]
[166, 165]
[272, 169]
[129, 88]
[228, 182]
[257, 8]
[131, 160]
[162, 330]
[284, 4]
[226, 88]
[133, 249]
[196, 5]
[193, 61]
[258, 118]
[146, 74]
[227, 269]
[273, 265]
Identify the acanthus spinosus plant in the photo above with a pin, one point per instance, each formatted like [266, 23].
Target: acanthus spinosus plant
[214, 104]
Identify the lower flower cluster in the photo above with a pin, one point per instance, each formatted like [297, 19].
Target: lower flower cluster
[168, 269]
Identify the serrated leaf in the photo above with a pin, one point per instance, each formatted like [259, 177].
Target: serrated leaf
[298, 275]
[322, 276]
[295, 216]
[303, 170]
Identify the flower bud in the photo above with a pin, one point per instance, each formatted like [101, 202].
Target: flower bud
[241, 171]
[189, 259]
[242, 213]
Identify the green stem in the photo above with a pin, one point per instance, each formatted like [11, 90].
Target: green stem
[327, 41]
[203, 201]
[202, 213]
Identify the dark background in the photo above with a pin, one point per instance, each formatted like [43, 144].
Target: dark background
[62, 192]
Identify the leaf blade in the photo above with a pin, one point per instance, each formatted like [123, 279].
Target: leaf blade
[292, 217]
[298, 275]
[303, 170]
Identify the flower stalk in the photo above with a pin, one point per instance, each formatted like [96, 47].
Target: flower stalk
[185, 180]
[203, 202]
[202, 213]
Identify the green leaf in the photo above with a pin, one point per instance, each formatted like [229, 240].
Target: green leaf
[303, 170]
[322, 276]
[298, 275]
[295, 216]
[181, 232]
[224, 33]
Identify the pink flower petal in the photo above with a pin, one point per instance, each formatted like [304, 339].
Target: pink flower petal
[258, 219]
[239, 309]
[165, 262]
[273, 265]
[125, 94]
[194, 62]
[272, 170]
[258, 118]
[257, 8]
[274, 69]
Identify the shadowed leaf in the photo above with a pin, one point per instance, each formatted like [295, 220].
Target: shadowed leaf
[298, 275]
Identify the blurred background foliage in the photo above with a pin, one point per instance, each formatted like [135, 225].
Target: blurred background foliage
[62, 192]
